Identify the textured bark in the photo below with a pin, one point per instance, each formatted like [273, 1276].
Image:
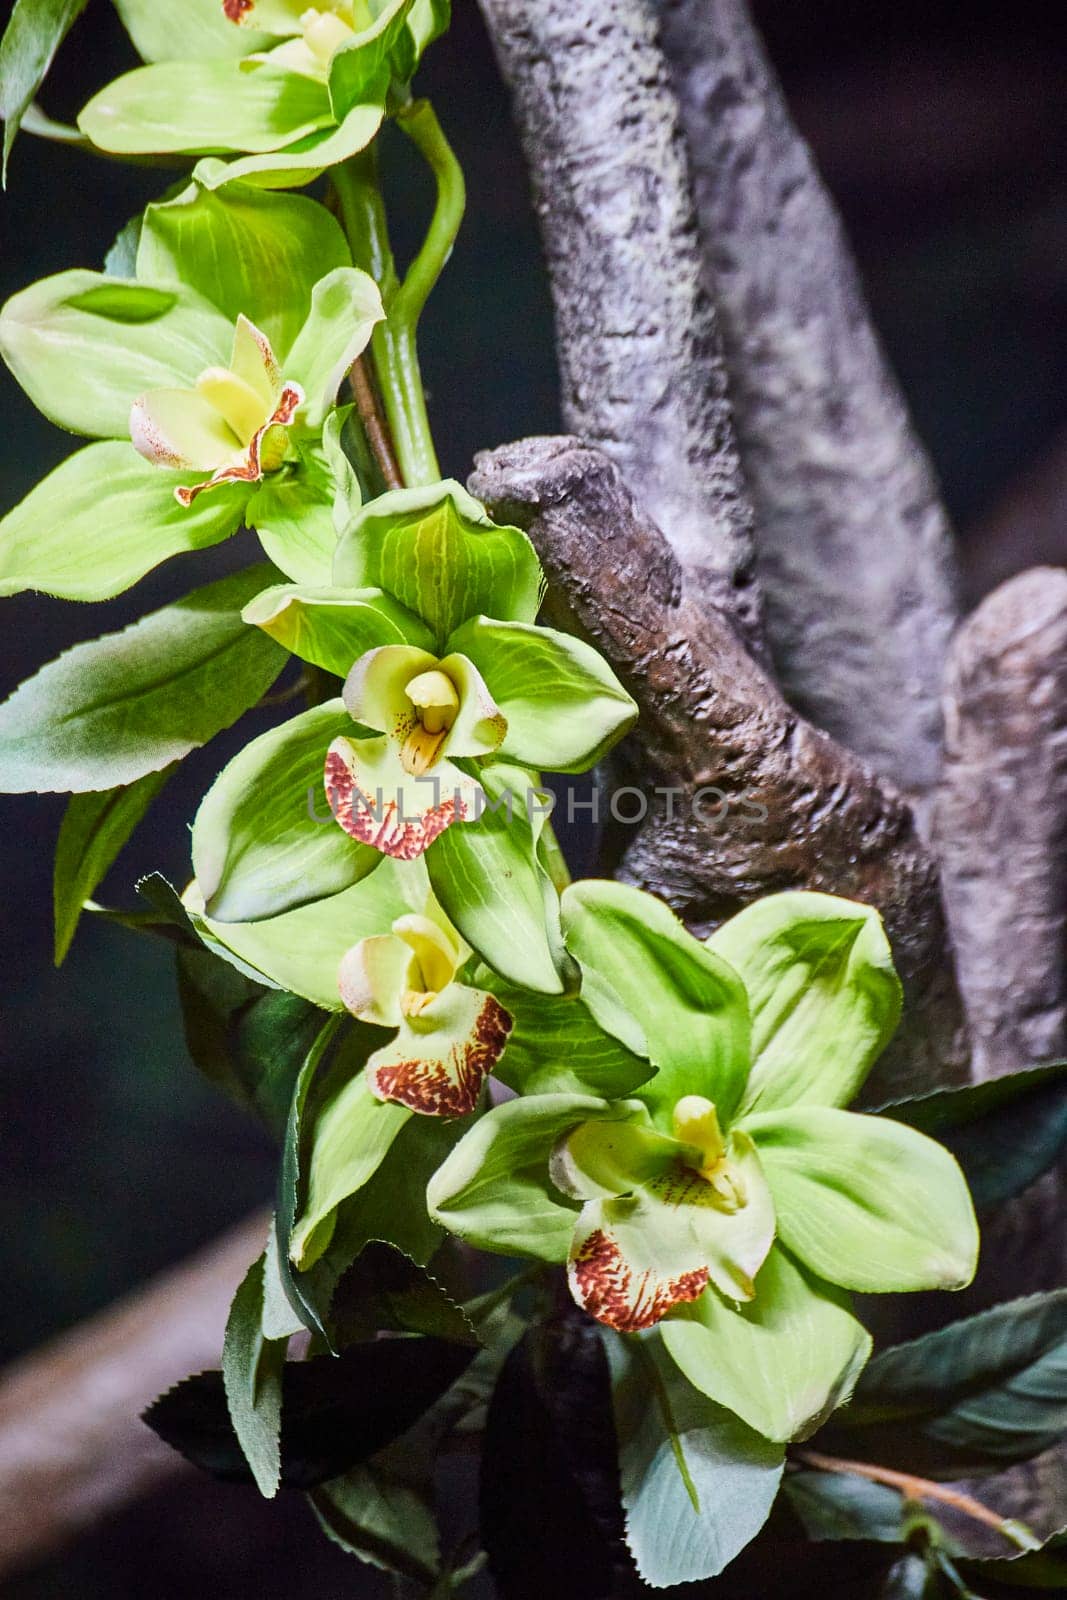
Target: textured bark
[72, 1445]
[1001, 821]
[855, 556]
[640, 361]
[1001, 829]
[799, 809]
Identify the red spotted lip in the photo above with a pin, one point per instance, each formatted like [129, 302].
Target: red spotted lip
[381, 825]
[604, 1283]
[447, 1086]
[250, 470]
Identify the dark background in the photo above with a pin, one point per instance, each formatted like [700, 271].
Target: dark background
[942, 130]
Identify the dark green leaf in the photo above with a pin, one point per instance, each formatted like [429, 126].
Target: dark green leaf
[551, 1518]
[375, 1512]
[839, 1505]
[1004, 1133]
[249, 1040]
[94, 829]
[336, 1410]
[1023, 1574]
[111, 711]
[972, 1397]
[252, 1370]
[34, 33]
[556, 1046]
[384, 1289]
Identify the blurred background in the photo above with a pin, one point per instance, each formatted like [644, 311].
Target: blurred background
[942, 132]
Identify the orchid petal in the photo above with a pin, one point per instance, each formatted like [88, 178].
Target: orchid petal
[374, 690]
[867, 1202]
[180, 428]
[637, 1256]
[442, 1055]
[373, 977]
[376, 801]
[781, 1362]
[480, 725]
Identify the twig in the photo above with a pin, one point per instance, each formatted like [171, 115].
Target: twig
[919, 1489]
[374, 423]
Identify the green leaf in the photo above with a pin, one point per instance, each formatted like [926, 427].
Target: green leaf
[84, 346]
[35, 31]
[292, 511]
[839, 1505]
[337, 1411]
[697, 1485]
[246, 251]
[300, 163]
[1041, 1569]
[362, 70]
[390, 1206]
[345, 305]
[427, 21]
[438, 553]
[783, 1361]
[301, 950]
[111, 711]
[103, 519]
[691, 1005]
[494, 1189]
[94, 829]
[490, 883]
[121, 259]
[264, 840]
[1004, 1133]
[252, 1374]
[972, 1397]
[384, 1290]
[205, 31]
[198, 107]
[564, 706]
[865, 1202]
[330, 627]
[351, 1136]
[557, 1047]
[375, 1513]
[823, 993]
[249, 1041]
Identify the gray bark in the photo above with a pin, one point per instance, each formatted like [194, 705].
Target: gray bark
[800, 811]
[855, 556]
[1001, 820]
[640, 361]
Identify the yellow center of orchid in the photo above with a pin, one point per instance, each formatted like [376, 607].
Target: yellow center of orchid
[237, 402]
[696, 1123]
[434, 961]
[435, 701]
[325, 31]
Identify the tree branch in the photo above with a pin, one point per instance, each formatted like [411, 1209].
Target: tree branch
[855, 556]
[1001, 820]
[640, 362]
[800, 810]
[72, 1445]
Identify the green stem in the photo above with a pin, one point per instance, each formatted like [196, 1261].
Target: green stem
[394, 341]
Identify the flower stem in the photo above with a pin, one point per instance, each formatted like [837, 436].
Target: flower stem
[394, 341]
[919, 1489]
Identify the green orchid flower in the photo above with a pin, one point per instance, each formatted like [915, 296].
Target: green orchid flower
[289, 89]
[212, 364]
[449, 1036]
[452, 694]
[731, 1199]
